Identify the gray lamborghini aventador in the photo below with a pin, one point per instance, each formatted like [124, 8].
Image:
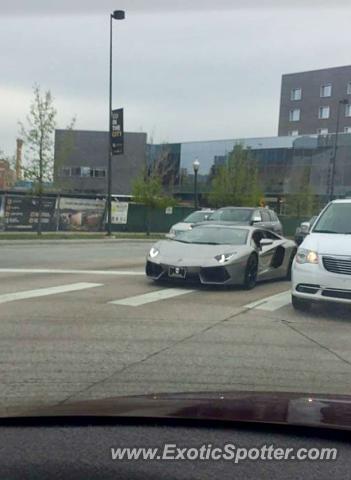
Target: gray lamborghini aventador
[222, 255]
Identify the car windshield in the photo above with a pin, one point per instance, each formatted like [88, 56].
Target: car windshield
[232, 215]
[214, 235]
[196, 217]
[335, 219]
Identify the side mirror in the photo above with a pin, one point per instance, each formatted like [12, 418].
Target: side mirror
[265, 242]
[305, 226]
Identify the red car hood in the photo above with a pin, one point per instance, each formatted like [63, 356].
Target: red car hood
[315, 410]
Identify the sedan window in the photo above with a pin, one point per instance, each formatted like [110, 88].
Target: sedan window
[257, 236]
[265, 216]
[271, 236]
[232, 215]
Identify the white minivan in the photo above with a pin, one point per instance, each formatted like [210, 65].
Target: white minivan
[322, 267]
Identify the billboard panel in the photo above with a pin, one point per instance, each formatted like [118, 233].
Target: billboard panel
[21, 213]
[80, 214]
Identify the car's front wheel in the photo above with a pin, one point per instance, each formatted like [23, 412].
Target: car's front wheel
[300, 304]
[251, 270]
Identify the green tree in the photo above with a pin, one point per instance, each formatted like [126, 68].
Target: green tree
[304, 201]
[148, 190]
[37, 133]
[237, 182]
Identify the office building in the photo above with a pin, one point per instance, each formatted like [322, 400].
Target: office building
[310, 100]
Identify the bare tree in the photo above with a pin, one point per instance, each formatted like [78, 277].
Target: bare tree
[37, 133]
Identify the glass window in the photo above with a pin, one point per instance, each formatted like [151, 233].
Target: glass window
[324, 112]
[293, 133]
[66, 172]
[196, 217]
[271, 236]
[232, 215]
[335, 219]
[100, 172]
[294, 115]
[347, 129]
[265, 216]
[214, 235]
[347, 110]
[349, 88]
[273, 216]
[257, 216]
[75, 171]
[322, 131]
[85, 171]
[296, 94]
[326, 90]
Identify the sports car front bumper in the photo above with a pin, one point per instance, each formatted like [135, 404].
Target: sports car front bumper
[212, 275]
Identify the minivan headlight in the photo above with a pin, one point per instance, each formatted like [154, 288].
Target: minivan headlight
[307, 256]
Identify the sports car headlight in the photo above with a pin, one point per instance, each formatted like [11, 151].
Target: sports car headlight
[154, 252]
[225, 257]
[307, 256]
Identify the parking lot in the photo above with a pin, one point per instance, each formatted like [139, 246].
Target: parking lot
[79, 320]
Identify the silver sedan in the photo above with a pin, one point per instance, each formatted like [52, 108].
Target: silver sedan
[222, 255]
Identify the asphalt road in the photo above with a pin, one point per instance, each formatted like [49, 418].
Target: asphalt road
[61, 338]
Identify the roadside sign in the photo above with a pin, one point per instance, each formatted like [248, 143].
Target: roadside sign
[169, 210]
[117, 132]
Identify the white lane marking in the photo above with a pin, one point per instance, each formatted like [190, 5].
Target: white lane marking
[89, 272]
[271, 303]
[42, 292]
[151, 297]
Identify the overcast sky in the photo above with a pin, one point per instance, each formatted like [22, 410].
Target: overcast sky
[183, 70]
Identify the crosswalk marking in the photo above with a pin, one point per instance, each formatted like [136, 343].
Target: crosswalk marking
[155, 296]
[42, 292]
[271, 303]
[89, 272]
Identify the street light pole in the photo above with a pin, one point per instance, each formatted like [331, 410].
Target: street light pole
[196, 166]
[333, 161]
[116, 15]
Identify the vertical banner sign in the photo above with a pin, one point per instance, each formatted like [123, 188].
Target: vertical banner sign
[117, 134]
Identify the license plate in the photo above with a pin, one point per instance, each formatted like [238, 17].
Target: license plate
[177, 272]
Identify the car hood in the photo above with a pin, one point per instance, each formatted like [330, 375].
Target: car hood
[182, 226]
[328, 244]
[314, 410]
[178, 251]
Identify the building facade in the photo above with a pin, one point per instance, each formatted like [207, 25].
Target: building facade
[310, 100]
[81, 158]
[284, 163]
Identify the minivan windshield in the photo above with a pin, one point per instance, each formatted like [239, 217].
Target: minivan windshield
[335, 219]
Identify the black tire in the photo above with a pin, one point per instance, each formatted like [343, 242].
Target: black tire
[288, 273]
[251, 270]
[300, 304]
